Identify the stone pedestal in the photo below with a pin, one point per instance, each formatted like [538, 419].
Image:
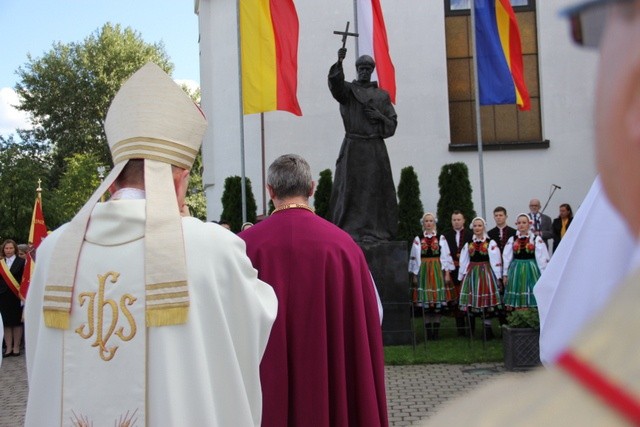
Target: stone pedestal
[388, 264]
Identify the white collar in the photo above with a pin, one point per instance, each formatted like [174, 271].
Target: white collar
[129, 193]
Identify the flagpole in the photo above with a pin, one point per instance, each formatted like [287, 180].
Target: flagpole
[39, 189]
[355, 26]
[477, 106]
[241, 112]
[264, 171]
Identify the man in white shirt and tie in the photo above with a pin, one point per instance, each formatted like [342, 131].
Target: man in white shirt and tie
[540, 223]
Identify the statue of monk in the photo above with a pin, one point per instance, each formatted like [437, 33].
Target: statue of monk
[363, 199]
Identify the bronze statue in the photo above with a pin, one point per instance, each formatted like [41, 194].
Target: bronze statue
[363, 198]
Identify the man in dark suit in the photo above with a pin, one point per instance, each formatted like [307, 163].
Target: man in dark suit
[456, 238]
[501, 232]
[540, 223]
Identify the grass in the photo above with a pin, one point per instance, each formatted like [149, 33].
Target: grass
[449, 348]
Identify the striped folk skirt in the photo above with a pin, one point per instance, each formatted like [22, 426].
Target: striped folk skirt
[433, 292]
[522, 277]
[479, 291]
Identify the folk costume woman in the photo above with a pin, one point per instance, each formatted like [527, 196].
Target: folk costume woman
[430, 263]
[480, 266]
[525, 257]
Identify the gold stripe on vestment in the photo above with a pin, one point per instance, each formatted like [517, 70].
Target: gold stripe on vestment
[57, 288]
[56, 298]
[171, 295]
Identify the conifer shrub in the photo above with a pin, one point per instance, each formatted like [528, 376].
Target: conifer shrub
[455, 194]
[232, 202]
[410, 209]
[322, 195]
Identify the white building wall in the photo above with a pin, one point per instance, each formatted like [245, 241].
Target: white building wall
[415, 30]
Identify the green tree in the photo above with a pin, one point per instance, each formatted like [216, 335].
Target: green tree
[67, 91]
[195, 94]
[410, 208]
[195, 194]
[323, 194]
[77, 184]
[22, 164]
[232, 202]
[455, 194]
[196, 199]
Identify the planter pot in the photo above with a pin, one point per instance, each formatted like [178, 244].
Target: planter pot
[521, 348]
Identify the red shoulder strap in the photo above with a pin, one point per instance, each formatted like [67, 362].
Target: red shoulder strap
[612, 394]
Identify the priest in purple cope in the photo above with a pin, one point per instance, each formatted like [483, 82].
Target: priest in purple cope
[324, 363]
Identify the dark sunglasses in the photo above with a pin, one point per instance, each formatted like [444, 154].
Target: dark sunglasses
[588, 19]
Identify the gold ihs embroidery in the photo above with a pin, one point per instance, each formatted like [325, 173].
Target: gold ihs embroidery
[97, 304]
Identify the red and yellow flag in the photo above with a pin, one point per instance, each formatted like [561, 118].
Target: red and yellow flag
[37, 233]
[269, 43]
[38, 230]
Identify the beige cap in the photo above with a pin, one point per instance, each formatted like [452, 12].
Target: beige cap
[150, 118]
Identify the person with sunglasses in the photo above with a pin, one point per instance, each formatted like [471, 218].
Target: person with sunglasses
[596, 380]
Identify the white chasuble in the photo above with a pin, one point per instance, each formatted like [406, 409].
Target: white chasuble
[107, 371]
[104, 352]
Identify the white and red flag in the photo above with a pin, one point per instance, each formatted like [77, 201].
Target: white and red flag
[373, 41]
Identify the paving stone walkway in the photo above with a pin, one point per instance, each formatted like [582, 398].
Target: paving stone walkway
[414, 392]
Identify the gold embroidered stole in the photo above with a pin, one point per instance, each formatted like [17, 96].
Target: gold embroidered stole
[104, 374]
[11, 281]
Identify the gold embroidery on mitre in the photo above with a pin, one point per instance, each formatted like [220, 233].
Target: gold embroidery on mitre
[96, 305]
[155, 149]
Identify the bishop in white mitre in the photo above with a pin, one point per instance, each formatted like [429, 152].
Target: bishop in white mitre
[137, 316]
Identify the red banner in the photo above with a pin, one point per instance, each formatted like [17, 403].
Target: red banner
[38, 230]
[29, 266]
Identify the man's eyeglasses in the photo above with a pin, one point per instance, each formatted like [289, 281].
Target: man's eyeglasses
[588, 20]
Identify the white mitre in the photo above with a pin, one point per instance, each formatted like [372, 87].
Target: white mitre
[150, 118]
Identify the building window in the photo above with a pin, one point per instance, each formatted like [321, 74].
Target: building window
[503, 126]
[463, 5]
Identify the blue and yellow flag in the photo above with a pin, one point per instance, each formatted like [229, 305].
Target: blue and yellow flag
[499, 55]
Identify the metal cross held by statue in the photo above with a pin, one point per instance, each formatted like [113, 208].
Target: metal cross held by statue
[345, 34]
